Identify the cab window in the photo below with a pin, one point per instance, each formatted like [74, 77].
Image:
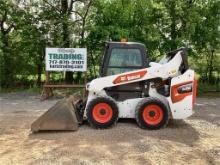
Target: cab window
[124, 60]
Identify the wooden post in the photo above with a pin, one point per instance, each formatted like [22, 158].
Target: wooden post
[47, 77]
[47, 92]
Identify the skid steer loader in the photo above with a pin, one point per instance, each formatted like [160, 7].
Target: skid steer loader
[129, 86]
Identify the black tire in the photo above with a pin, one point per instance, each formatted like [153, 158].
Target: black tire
[91, 119]
[163, 114]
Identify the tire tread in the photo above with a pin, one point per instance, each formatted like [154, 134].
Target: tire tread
[97, 125]
[149, 100]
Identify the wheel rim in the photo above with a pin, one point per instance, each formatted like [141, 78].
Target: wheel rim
[102, 112]
[152, 114]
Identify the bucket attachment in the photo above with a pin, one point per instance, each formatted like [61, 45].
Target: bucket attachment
[62, 116]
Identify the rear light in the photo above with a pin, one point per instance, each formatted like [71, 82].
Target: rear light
[180, 91]
[185, 88]
[129, 77]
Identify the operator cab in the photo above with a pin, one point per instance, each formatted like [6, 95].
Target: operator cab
[120, 57]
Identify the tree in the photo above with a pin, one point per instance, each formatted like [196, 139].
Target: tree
[28, 27]
[206, 37]
[8, 14]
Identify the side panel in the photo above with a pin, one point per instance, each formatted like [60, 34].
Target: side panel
[181, 102]
[127, 108]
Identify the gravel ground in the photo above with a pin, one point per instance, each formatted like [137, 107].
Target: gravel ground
[192, 141]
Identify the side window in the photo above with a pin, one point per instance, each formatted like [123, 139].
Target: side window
[124, 60]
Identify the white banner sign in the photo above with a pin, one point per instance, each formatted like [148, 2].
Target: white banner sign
[66, 59]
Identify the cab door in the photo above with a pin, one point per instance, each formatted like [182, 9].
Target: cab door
[123, 57]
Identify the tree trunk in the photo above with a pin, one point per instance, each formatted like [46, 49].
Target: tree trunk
[211, 67]
[65, 33]
[93, 64]
[40, 67]
[82, 34]
[39, 72]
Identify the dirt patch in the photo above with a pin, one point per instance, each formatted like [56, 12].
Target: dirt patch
[192, 141]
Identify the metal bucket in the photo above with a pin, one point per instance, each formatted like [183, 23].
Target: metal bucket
[62, 116]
